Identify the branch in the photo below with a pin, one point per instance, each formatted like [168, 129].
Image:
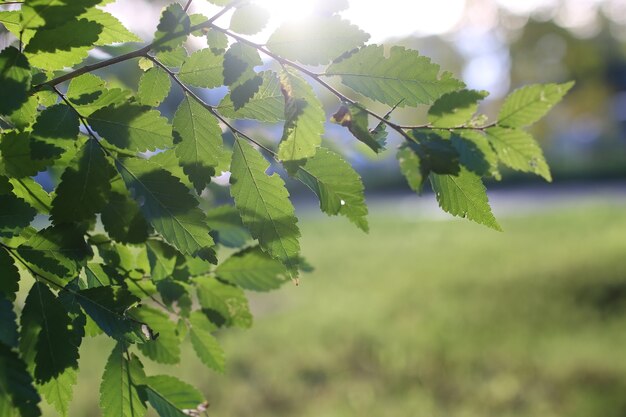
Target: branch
[210, 108]
[134, 54]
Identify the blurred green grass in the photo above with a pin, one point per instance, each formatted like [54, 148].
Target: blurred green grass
[425, 318]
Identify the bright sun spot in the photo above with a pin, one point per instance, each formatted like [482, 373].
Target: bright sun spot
[286, 10]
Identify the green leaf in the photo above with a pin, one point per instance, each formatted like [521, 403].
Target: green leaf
[404, 78]
[203, 69]
[199, 138]
[204, 343]
[518, 150]
[55, 131]
[18, 397]
[26, 114]
[107, 306]
[239, 74]
[475, 153]
[15, 214]
[304, 117]
[9, 284]
[225, 304]
[53, 13]
[122, 218]
[266, 105]
[165, 348]
[88, 93]
[59, 47]
[264, 205]
[120, 390]
[84, 186]
[8, 326]
[49, 341]
[154, 87]
[217, 41]
[170, 397]
[226, 226]
[113, 31]
[17, 157]
[162, 258]
[252, 269]
[133, 127]
[464, 196]
[529, 104]
[33, 193]
[167, 205]
[455, 109]
[337, 185]
[174, 58]
[59, 391]
[317, 40]
[56, 252]
[173, 21]
[15, 78]
[411, 167]
[356, 119]
[249, 19]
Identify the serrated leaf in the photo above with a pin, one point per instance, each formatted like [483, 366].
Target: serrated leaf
[122, 218]
[203, 69]
[154, 87]
[84, 186]
[217, 41]
[529, 104]
[15, 78]
[225, 304]
[464, 196]
[252, 269]
[264, 205]
[53, 13]
[120, 390]
[171, 397]
[59, 47]
[455, 109]
[165, 348]
[226, 226]
[17, 156]
[9, 284]
[50, 344]
[33, 193]
[411, 167]
[18, 397]
[108, 306]
[56, 252]
[404, 78]
[167, 205]
[162, 258]
[8, 325]
[338, 187]
[88, 93]
[26, 114]
[15, 214]
[436, 152]
[518, 150]
[356, 119]
[199, 142]
[133, 127]
[59, 391]
[317, 40]
[249, 19]
[113, 31]
[305, 117]
[174, 58]
[239, 74]
[475, 153]
[266, 105]
[174, 20]
[204, 343]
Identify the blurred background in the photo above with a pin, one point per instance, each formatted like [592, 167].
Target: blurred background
[429, 316]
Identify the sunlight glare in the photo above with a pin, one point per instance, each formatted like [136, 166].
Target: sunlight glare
[288, 10]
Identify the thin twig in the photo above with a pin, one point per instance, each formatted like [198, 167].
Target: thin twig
[137, 53]
[188, 5]
[210, 108]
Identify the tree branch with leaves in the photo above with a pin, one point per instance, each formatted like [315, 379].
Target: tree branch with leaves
[122, 245]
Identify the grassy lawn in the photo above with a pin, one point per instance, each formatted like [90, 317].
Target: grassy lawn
[431, 319]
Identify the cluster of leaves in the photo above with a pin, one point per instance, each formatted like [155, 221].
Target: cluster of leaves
[120, 246]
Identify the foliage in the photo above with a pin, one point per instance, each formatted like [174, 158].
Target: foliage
[128, 249]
